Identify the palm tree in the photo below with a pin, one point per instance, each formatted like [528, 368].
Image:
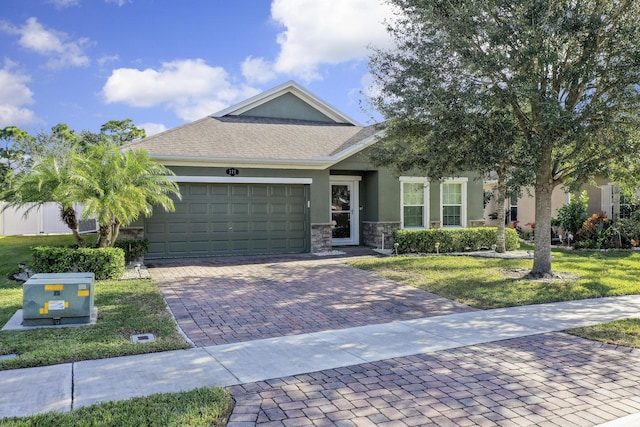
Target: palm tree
[118, 186]
[49, 180]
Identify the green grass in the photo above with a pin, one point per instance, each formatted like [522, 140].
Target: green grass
[15, 249]
[481, 282]
[622, 332]
[201, 407]
[124, 308]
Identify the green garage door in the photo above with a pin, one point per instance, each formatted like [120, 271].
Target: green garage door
[231, 219]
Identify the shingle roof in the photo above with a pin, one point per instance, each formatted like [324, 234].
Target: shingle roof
[256, 139]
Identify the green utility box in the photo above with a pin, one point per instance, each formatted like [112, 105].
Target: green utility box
[58, 299]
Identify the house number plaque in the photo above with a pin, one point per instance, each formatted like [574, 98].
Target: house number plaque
[232, 171]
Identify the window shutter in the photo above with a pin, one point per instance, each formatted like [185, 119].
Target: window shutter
[607, 200]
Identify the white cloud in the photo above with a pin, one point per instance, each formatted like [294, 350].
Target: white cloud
[152, 128]
[258, 70]
[369, 89]
[190, 88]
[109, 58]
[118, 2]
[327, 32]
[14, 96]
[51, 43]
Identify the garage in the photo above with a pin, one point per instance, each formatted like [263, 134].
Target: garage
[214, 219]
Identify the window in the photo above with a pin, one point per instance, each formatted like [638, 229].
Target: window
[513, 208]
[617, 202]
[628, 204]
[453, 196]
[415, 202]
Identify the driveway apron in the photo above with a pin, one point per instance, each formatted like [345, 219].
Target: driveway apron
[230, 300]
[552, 379]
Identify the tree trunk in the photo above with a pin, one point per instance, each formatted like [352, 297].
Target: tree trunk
[116, 231]
[69, 217]
[543, 190]
[104, 241]
[501, 194]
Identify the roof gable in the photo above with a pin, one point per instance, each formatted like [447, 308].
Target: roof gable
[288, 106]
[287, 101]
[260, 133]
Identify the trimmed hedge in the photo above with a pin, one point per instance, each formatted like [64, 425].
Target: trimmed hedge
[452, 239]
[105, 263]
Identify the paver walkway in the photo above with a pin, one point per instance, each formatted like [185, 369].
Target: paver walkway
[222, 301]
[552, 379]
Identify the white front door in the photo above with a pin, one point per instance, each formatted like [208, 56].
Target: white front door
[345, 210]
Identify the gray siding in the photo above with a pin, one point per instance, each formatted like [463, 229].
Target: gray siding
[288, 106]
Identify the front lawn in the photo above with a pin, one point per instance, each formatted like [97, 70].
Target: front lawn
[493, 283]
[124, 308]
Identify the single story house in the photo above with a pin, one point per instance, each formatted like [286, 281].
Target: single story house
[285, 172]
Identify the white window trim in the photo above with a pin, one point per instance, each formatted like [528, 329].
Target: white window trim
[425, 211]
[354, 183]
[238, 180]
[463, 209]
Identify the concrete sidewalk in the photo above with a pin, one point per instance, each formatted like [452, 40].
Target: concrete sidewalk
[68, 386]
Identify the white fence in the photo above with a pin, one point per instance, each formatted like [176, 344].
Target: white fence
[40, 220]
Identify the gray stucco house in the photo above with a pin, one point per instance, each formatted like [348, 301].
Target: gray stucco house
[284, 172]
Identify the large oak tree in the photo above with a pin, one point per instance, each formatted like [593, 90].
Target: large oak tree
[545, 90]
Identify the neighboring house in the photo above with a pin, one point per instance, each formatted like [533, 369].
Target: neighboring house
[284, 172]
[39, 220]
[603, 196]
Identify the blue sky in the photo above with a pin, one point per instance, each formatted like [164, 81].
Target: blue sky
[163, 63]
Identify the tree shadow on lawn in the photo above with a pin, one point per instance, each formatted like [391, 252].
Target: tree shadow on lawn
[500, 283]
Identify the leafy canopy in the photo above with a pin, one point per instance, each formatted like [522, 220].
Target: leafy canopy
[117, 187]
[114, 186]
[545, 89]
[121, 132]
[11, 156]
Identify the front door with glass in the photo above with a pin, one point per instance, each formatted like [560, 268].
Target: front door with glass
[344, 212]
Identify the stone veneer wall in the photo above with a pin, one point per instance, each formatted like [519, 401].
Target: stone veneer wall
[321, 240]
[135, 233]
[372, 233]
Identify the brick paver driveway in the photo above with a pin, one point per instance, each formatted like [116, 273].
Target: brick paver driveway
[544, 380]
[228, 300]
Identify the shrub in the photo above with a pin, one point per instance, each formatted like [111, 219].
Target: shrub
[105, 263]
[572, 215]
[133, 248]
[598, 229]
[630, 230]
[585, 244]
[452, 240]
